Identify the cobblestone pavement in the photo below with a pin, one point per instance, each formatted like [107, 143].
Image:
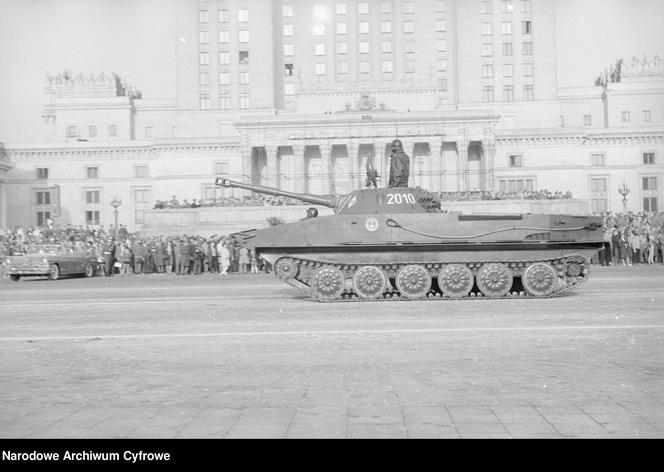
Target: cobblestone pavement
[245, 356]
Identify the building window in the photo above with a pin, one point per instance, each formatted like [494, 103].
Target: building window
[363, 8]
[43, 217]
[288, 70]
[243, 36]
[224, 36]
[203, 58]
[113, 131]
[364, 67]
[342, 48]
[204, 78]
[243, 57]
[525, 6]
[487, 93]
[387, 67]
[319, 30]
[516, 160]
[487, 28]
[341, 9]
[319, 49]
[321, 69]
[487, 49]
[364, 47]
[408, 7]
[442, 85]
[506, 6]
[224, 78]
[223, 16]
[141, 171]
[516, 185]
[43, 197]
[221, 168]
[342, 28]
[72, 131]
[442, 65]
[92, 172]
[385, 7]
[597, 159]
[342, 67]
[245, 101]
[507, 49]
[508, 70]
[408, 27]
[92, 131]
[202, 16]
[506, 27]
[386, 47]
[598, 195]
[587, 120]
[527, 70]
[224, 101]
[527, 49]
[440, 6]
[650, 204]
[486, 6]
[646, 115]
[625, 116]
[204, 101]
[287, 10]
[649, 158]
[526, 27]
[244, 78]
[508, 93]
[409, 46]
[288, 30]
[487, 71]
[364, 27]
[149, 131]
[92, 197]
[242, 15]
[289, 89]
[441, 25]
[203, 37]
[92, 218]
[528, 92]
[649, 185]
[441, 45]
[386, 27]
[289, 50]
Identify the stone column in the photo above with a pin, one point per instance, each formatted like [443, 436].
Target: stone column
[435, 165]
[352, 149]
[299, 166]
[462, 164]
[489, 149]
[326, 167]
[272, 168]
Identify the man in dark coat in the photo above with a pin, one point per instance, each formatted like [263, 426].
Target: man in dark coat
[399, 166]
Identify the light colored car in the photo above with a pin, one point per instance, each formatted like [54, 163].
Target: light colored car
[52, 260]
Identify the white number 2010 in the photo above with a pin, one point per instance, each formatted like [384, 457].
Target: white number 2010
[399, 198]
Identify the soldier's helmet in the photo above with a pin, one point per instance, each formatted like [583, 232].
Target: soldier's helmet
[312, 213]
[397, 145]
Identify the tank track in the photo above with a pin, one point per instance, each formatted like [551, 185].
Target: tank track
[325, 282]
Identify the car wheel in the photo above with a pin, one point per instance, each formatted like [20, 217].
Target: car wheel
[89, 270]
[14, 277]
[54, 272]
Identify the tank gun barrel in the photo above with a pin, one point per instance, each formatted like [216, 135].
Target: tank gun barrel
[328, 201]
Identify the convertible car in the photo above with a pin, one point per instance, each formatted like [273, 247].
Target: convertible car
[52, 260]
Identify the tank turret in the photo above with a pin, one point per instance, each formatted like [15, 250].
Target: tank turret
[358, 202]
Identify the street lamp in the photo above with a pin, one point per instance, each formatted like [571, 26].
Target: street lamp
[115, 203]
[624, 191]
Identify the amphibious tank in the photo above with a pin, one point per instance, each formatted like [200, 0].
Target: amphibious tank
[398, 243]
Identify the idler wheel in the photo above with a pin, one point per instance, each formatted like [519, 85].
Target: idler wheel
[327, 284]
[369, 282]
[494, 280]
[455, 280]
[413, 281]
[575, 269]
[286, 268]
[539, 279]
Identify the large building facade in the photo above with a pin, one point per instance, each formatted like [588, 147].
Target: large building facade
[299, 94]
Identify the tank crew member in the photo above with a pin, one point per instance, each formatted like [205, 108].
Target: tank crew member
[311, 213]
[399, 166]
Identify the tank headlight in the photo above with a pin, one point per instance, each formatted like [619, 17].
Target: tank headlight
[44, 260]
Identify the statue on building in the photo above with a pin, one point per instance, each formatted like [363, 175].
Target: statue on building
[372, 174]
[399, 166]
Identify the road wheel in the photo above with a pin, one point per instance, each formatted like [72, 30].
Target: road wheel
[327, 284]
[539, 279]
[14, 277]
[494, 280]
[369, 282]
[89, 270]
[455, 280]
[413, 281]
[54, 272]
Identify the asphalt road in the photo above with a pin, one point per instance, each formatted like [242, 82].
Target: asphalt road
[165, 356]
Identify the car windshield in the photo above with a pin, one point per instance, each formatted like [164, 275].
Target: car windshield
[45, 249]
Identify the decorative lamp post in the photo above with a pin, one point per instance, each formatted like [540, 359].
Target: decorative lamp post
[115, 203]
[624, 191]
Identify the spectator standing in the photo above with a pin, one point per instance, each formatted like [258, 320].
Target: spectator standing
[244, 258]
[224, 257]
[177, 255]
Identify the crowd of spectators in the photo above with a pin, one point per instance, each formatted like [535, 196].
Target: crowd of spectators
[632, 238]
[269, 200]
[119, 252]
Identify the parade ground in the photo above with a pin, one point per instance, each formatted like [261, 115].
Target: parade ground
[247, 356]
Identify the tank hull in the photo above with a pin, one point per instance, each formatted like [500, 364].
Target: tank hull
[404, 256]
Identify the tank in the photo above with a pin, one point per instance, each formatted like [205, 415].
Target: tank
[399, 243]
